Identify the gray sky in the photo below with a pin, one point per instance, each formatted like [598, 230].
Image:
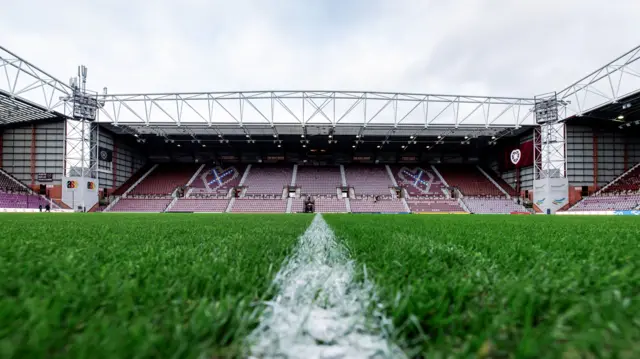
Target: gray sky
[476, 47]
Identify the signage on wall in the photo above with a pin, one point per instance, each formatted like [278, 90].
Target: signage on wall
[515, 156]
[45, 177]
[72, 184]
[91, 185]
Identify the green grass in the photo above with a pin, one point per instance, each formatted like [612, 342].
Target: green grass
[136, 286]
[504, 286]
[185, 286]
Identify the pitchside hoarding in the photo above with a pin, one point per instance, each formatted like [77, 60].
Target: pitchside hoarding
[79, 192]
[551, 194]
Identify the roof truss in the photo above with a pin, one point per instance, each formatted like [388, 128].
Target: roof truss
[618, 79]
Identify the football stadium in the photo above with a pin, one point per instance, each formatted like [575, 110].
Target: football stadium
[319, 223]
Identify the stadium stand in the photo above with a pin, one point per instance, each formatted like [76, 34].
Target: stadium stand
[492, 205]
[217, 180]
[608, 203]
[368, 205]
[13, 194]
[626, 184]
[141, 205]
[322, 205]
[268, 180]
[200, 205]
[132, 180]
[501, 182]
[469, 180]
[418, 181]
[318, 180]
[435, 206]
[165, 179]
[259, 205]
[368, 180]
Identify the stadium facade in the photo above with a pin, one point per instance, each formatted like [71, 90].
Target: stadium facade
[353, 151]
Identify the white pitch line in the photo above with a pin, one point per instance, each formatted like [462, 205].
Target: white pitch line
[321, 311]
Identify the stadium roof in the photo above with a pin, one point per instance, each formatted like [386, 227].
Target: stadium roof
[28, 93]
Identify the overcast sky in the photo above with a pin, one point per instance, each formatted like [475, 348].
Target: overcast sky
[476, 47]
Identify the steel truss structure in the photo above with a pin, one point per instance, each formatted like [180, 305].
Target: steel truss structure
[27, 92]
[275, 113]
[613, 81]
[549, 150]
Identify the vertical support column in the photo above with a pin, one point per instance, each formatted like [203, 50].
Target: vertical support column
[1, 146]
[114, 165]
[33, 155]
[595, 161]
[626, 154]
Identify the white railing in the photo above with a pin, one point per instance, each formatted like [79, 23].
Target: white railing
[493, 181]
[195, 175]
[294, 175]
[390, 173]
[139, 180]
[343, 177]
[616, 179]
[245, 175]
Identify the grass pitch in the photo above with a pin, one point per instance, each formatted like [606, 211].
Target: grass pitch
[504, 286]
[185, 286]
[136, 286]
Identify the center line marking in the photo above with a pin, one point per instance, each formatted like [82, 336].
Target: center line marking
[321, 310]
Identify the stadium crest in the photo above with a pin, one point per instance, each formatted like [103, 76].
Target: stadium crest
[515, 156]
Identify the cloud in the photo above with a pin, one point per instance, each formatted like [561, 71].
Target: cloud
[512, 48]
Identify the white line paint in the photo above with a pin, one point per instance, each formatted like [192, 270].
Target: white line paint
[321, 310]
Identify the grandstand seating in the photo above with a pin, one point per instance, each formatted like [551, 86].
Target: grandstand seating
[365, 205]
[164, 179]
[502, 183]
[440, 205]
[16, 195]
[7, 184]
[492, 205]
[368, 180]
[608, 203]
[253, 205]
[20, 200]
[200, 205]
[627, 184]
[141, 205]
[318, 180]
[217, 180]
[132, 180]
[268, 179]
[469, 180]
[418, 181]
[322, 205]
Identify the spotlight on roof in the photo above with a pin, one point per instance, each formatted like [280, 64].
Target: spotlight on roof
[279, 145]
[302, 135]
[621, 117]
[274, 135]
[136, 134]
[412, 137]
[428, 147]
[378, 146]
[178, 145]
[203, 145]
[493, 137]
[330, 136]
[354, 146]
[357, 136]
[304, 145]
[439, 137]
